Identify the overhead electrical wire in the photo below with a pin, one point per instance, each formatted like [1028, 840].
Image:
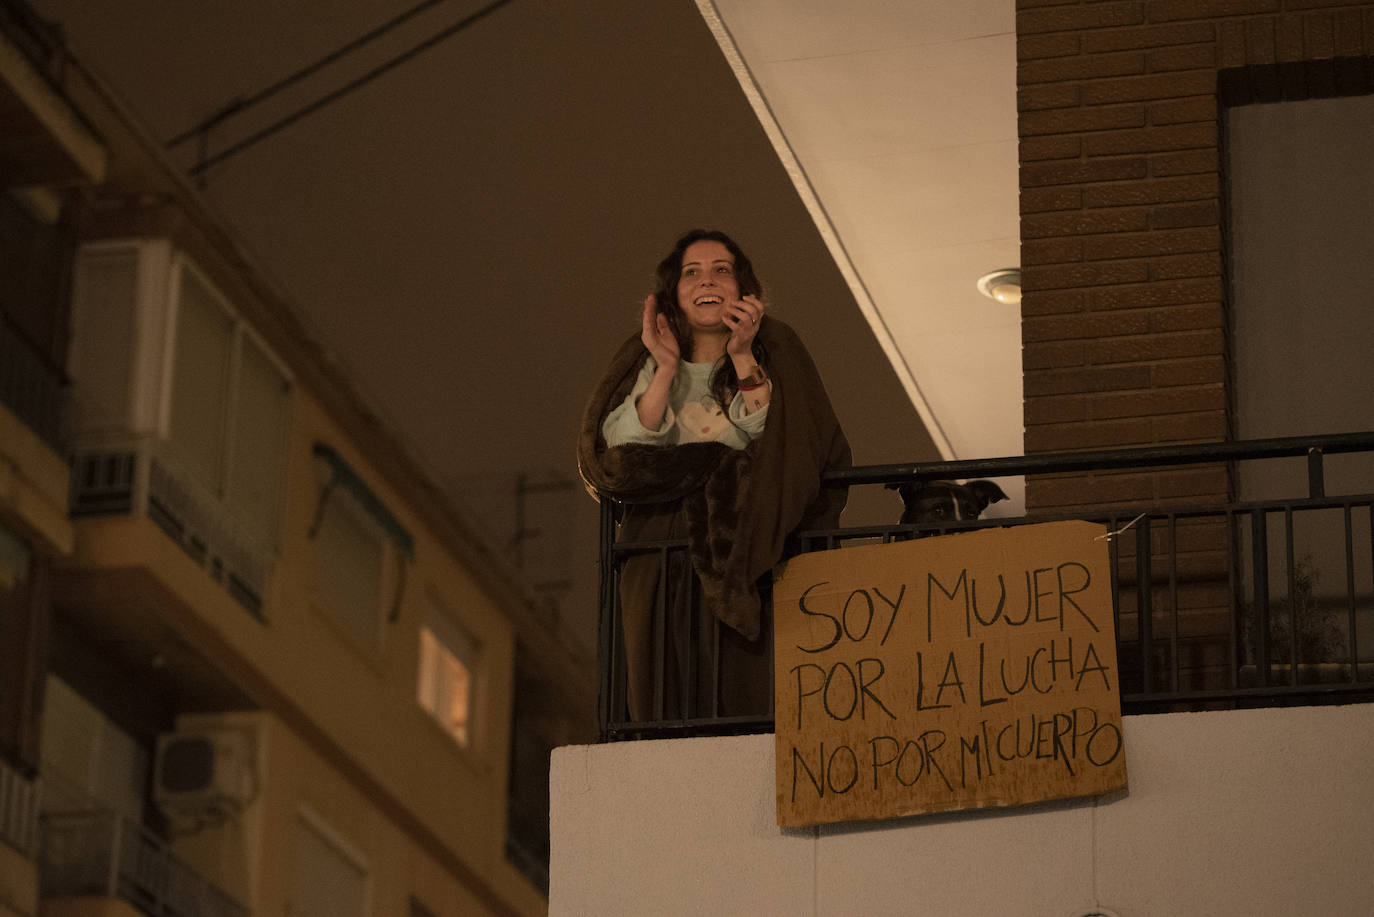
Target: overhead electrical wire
[239, 106]
[333, 96]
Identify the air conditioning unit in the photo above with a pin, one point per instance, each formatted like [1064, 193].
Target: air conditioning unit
[204, 773]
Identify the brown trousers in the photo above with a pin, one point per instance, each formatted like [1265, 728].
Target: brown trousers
[693, 684]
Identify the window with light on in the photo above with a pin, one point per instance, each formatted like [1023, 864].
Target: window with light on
[447, 683]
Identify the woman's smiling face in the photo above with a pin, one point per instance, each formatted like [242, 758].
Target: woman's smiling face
[707, 285]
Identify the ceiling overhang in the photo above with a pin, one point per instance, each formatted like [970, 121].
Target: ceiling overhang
[896, 122]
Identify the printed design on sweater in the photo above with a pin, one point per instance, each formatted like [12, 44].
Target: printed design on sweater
[702, 421]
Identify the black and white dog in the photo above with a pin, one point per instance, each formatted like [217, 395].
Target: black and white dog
[946, 501]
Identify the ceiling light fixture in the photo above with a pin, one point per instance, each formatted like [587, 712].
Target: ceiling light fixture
[1003, 285]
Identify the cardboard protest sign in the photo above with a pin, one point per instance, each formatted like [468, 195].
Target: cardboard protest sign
[957, 672]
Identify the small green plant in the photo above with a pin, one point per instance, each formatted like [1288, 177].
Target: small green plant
[1301, 616]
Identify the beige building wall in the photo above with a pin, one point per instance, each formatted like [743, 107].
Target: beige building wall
[347, 738]
[300, 788]
[18, 884]
[1228, 814]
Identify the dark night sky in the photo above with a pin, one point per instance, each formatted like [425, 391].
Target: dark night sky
[472, 233]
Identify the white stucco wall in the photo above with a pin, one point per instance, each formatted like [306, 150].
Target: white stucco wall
[1259, 812]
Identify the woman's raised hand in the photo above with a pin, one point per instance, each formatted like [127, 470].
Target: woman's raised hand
[743, 316]
[658, 337]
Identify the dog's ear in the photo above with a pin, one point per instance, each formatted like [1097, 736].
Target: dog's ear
[907, 489]
[986, 492]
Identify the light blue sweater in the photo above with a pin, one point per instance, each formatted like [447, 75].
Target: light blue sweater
[692, 417]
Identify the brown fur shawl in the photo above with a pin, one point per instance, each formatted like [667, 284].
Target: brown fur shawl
[740, 505]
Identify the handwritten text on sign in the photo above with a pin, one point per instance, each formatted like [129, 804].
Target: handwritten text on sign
[958, 672]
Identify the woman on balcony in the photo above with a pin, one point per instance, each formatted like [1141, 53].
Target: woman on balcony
[713, 425]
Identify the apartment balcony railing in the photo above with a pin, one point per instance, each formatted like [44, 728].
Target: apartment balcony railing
[138, 476]
[19, 796]
[1241, 602]
[31, 386]
[95, 852]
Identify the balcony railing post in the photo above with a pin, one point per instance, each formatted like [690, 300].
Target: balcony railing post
[686, 632]
[1293, 604]
[690, 671]
[1259, 559]
[1144, 602]
[1172, 555]
[660, 624]
[1353, 632]
[1316, 473]
[1233, 606]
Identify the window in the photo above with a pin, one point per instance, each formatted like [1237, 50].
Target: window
[104, 337]
[86, 757]
[1301, 329]
[447, 686]
[1301, 324]
[228, 412]
[359, 553]
[350, 567]
[330, 876]
[200, 381]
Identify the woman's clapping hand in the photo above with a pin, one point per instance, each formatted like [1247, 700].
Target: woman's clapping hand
[743, 317]
[658, 338]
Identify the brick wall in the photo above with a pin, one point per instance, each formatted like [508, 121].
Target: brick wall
[1122, 215]
[1123, 260]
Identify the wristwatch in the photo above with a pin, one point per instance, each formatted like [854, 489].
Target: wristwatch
[753, 380]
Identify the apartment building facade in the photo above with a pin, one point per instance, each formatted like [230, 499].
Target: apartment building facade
[252, 662]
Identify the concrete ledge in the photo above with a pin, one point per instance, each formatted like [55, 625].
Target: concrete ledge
[1231, 814]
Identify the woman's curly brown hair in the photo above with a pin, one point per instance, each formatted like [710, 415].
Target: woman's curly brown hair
[724, 380]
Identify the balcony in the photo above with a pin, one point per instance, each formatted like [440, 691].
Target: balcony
[138, 476]
[1221, 605]
[95, 852]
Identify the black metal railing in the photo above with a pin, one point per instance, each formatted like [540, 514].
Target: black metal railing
[96, 852]
[1258, 601]
[32, 386]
